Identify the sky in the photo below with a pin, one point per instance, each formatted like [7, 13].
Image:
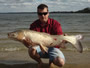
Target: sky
[31, 5]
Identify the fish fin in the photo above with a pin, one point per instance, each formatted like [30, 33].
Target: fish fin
[43, 48]
[79, 37]
[79, 46]
[76, 43]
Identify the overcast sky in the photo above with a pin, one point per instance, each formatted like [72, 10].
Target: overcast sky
[31, 5]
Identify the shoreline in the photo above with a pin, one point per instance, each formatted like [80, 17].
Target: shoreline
[21, 59]
[34, 65]
[23, 55]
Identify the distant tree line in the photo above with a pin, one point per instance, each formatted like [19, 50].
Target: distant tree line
[85, 10]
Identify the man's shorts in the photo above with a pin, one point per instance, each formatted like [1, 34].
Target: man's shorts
[52, 53]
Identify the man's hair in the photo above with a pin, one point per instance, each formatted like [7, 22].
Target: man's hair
[42, 6]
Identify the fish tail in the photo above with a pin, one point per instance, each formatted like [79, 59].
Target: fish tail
[78, 38]
[80, 49]
[75, 41]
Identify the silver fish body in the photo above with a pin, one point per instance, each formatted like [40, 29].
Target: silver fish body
[45, 39]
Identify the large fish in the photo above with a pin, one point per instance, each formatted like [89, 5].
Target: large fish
[45, 39]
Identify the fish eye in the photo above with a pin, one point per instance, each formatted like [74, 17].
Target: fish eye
[14, 35]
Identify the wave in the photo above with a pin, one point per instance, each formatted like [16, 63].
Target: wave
[12, 49]
[73, 49]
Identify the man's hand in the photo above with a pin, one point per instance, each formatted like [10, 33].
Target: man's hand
[27, 42]
[63, 43]
[64, 40]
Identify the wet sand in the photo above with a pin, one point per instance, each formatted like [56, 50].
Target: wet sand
[32, 65]
[21, 59]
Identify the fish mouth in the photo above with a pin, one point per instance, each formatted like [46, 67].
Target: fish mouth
[11, 35]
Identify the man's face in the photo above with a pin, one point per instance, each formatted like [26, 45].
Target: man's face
[43, 15]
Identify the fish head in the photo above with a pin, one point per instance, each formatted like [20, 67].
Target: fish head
[16, 35]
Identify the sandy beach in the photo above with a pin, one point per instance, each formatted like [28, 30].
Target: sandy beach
[21, 59]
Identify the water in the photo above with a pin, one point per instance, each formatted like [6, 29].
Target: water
[71, 24]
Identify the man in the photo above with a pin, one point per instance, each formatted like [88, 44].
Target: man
[51, 26]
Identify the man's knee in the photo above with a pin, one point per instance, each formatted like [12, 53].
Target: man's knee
[59, 62]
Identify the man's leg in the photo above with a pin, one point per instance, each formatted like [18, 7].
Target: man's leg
[34, 55]
[56, 57]
[57, 61]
